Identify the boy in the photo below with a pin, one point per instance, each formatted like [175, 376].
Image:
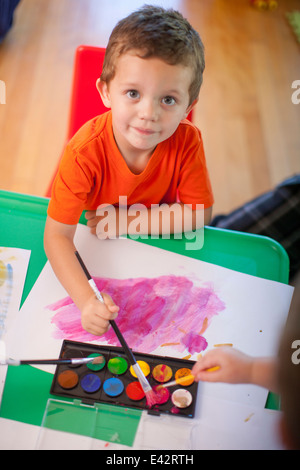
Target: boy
[141, 149]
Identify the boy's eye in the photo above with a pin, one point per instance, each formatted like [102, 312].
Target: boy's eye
[169, 100]
[133, 94]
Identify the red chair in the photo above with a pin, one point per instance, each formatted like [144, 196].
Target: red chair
[86, 102]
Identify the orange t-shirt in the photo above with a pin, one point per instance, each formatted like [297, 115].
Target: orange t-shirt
[93, 172]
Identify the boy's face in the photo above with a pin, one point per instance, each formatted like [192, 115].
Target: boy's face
[148, 99]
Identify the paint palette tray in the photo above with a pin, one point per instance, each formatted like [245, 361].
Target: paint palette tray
[114, 382]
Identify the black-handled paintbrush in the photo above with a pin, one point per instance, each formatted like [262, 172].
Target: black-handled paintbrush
[150, 395]
[72, 361]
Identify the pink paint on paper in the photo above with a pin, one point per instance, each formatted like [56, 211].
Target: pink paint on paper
[153, 311]
[194, 342]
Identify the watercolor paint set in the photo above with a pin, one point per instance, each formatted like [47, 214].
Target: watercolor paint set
[113, 381]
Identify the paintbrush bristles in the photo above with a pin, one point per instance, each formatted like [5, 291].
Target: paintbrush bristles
[151, 398]
[85, 360]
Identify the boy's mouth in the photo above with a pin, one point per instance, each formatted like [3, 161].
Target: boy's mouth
[144, 131]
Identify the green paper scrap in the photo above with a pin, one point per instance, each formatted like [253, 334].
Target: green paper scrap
[294, 20]
[25, 399]
[25, 394]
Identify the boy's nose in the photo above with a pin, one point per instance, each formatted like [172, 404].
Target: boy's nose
[149, 110]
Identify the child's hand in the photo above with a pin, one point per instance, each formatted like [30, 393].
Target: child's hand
[95, 315]
[234, 366]
[107, 222]
[92, 220]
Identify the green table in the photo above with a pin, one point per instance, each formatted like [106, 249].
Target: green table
[22, 220]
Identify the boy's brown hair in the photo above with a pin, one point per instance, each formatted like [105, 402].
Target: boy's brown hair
[153, 31]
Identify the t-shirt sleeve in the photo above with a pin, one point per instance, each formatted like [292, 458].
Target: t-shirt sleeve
[194, 185]
[71, 187]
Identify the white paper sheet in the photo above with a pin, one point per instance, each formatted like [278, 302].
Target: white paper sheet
[13, 270]
[252, 319]
[225, 425]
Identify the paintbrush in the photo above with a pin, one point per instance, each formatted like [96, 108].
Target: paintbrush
[72, 361]
[176, 382]
[181, 380]
[150, 394]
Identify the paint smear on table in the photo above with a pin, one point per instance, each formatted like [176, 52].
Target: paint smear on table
[153, 312]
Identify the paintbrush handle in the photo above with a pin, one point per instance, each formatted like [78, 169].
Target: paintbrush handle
[75, 361]
[212, 369]
[49, 361]
[177, 382]
[187, 377]
[123, 342]
[45, 361]
[89, 278]
[112, 322]
[83, 266]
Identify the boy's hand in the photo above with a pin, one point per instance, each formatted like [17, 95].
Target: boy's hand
[234, 366]
[92, 220]
[95, 315]
[107, 222]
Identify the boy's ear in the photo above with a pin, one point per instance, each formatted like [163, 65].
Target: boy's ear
[103, 91]
[190, 107]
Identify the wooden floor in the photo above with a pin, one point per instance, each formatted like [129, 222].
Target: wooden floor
[250, 126]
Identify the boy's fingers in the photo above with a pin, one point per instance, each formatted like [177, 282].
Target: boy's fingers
[112, 308]
[98, 326]
[93, 229]
[90, 215]
[92, 223]
[108, 300]
[96, 318]
[202, 364]
[114, 312]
